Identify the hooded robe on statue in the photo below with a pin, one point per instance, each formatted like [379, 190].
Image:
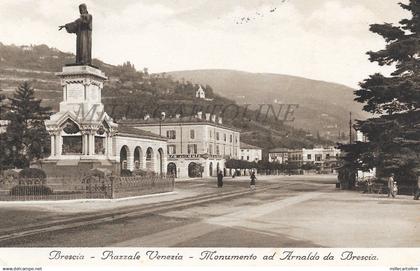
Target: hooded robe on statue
[82, 27]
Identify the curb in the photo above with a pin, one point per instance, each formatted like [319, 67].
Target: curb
[35, 202]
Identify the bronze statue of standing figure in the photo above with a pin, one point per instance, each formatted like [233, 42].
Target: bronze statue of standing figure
[82, 27]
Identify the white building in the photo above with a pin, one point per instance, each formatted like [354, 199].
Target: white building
[200, 94]
[84, 137]
[197, 146]
[323, 158]
[320, 155]
[360, 136]
[278, 155]
[364, 175]
[3, 126]
[250, 153]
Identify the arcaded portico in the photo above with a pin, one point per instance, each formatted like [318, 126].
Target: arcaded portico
[141, 150]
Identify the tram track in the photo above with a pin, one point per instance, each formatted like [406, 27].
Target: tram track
[125, 213]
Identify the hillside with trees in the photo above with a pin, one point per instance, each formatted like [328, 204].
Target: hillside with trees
[131, 93]
[323, 106]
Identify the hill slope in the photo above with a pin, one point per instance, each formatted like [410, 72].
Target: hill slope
[130, 93]
[323, 107]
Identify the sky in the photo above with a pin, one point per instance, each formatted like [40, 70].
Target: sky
[318, 39]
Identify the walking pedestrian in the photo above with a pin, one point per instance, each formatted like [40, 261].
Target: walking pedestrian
[253, 179]
[391, 183]
[417, 194]
[220, 179]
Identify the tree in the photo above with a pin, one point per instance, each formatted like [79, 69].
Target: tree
[394, 131]
[2, 135]
[26, 136]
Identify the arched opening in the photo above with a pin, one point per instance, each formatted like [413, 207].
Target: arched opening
[171, 169]
[211, 169]
[160, 160]
[138, 158]
[194, 170]
[123, 157]
[100, 141]
[150, 163]
[72, 141]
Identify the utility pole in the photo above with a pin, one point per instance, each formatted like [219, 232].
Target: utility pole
[350, 130]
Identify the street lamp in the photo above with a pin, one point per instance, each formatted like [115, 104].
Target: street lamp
[162, 117]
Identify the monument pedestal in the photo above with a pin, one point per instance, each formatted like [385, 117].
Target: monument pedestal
[82, 133]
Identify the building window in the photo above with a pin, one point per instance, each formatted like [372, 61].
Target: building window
[171, 149]
[210, 148]
[217, 135]
[327, 156]
[217, 150]
[247, 158]
[231, 138]
[192, 148]
[210, 133]
[171, 134]
[224, 137]
[318, 157]
[192, 134]
[242, 157]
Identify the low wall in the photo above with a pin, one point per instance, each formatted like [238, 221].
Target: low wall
[83, 187]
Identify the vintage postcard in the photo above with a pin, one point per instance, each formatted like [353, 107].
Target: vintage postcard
[231, 133]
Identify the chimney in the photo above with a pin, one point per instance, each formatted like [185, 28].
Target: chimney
[199, 114]
[208, 116]
[146, 117]
[213, 118]
[220, 120]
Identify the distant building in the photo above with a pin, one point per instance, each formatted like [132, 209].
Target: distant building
[364, 175]
[323, 158]
[278, 155]
[296, 157]
[250, 153]
[360, 136]
[3, 126]
[27, 48]
[200, 94]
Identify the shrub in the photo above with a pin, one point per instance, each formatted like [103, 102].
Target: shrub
[29, 190]
[32, 173]
[139, 172]
[126, 173]
[99, 172]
